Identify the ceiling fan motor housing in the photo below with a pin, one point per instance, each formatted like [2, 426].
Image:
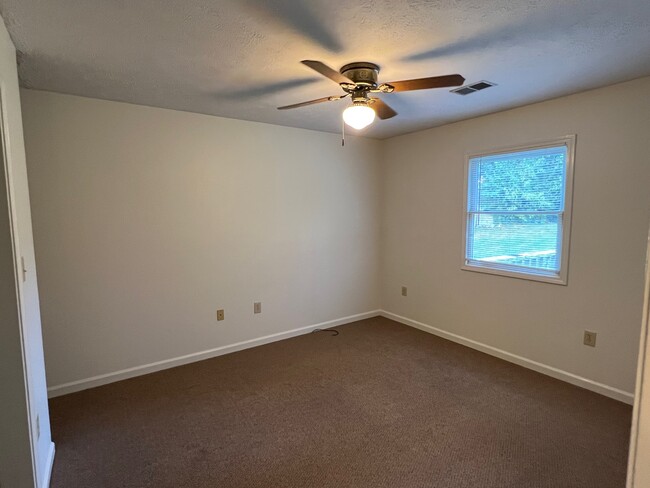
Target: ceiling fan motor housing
[363, 74]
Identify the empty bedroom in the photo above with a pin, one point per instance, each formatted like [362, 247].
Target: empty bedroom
[291, 243]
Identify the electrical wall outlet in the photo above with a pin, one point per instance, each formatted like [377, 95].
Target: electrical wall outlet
[590, 338]
[220, 314]
[257, 307]
[405, 291]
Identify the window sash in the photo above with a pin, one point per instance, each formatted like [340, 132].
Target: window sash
[513, 268]
[469, 245]
[474, 163]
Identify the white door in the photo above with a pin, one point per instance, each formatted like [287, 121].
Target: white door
[26, 449]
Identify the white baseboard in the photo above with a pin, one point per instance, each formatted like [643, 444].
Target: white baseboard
[123, 374]
[559, 374]
[49, 463]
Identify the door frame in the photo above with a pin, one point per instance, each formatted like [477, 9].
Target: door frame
[5, 149]
[642, 366]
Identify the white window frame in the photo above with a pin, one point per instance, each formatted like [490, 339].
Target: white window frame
[559, 278]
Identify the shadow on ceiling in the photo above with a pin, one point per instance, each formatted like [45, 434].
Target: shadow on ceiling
[537, 26]
[300, 17]
[268, 89]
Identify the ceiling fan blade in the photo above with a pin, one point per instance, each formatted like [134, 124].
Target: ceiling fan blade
[312, 102]
[327, 72]
[426, 83]
[383, 110]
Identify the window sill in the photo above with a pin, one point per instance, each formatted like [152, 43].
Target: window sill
[544, 278]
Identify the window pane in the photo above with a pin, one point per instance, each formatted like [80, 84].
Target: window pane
[526, 181]
[529, 240]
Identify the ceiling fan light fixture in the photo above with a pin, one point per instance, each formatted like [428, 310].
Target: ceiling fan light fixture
[359, 115]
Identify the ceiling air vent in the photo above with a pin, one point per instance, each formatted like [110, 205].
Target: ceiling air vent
[474, 87]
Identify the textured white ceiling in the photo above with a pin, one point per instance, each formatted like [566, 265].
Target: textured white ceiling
[240, 58]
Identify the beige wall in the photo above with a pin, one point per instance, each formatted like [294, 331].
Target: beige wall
[422, 213]
[25, 449]
[147, 221]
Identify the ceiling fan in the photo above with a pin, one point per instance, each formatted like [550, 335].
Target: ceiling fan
[359, 80]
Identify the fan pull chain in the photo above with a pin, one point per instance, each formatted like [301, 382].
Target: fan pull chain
[342, 133]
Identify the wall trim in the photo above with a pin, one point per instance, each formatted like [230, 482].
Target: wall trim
[103, 379]
[556, 373]
[49, 463]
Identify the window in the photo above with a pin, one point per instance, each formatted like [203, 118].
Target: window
[518, 211]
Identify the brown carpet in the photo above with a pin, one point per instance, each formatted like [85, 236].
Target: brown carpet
[379, 405]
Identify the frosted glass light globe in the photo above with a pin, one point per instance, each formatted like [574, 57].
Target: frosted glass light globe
[358, 116]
